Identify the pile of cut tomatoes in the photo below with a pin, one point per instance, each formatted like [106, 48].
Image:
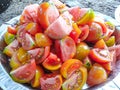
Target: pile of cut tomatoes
[56, 47]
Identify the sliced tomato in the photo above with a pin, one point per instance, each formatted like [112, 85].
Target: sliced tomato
[52, 62]
[28, 42]
[11, 48]
[29, 14]
[110, 41]
[24, 73]
[47, 14]
[33, 28]
[69, 67]
[8, 38]
[76, 80]
[42, 40]
[95, 32]
[67, 48]
[38, 74]
[45, 55]
[100, 44]
[100, 55]
[51, 82]
[84, 32]
[12, 30]
[96, 75]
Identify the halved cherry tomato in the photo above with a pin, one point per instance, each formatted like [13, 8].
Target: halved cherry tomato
[96, 75]
[8, 38]
[67, 48]
[12, 30]
[42, 40]
[28, 42]
[82, 50]
[33, 28]
[100, 44]
[69, 67]
[100, 55]
[110, 41]
[52, 62]
[84, 32]
[51, 82]
[76, 80]
[11, 48]
[38, 74]
[47, 14]
[95, 32]
[25, 73]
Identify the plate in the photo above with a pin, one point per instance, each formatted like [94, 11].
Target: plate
[117, 13]
[6, 83]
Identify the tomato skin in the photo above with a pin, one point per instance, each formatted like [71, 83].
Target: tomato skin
[100, 55]
[82, 51]
[36, 80]
[52, 62]
[42, 40]
[8, 37]
[51, 82]
[69, 67]
[96, 75]
[12, 30]
[24, 73]
[76, 80]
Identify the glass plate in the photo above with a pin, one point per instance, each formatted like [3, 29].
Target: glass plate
[6, 83]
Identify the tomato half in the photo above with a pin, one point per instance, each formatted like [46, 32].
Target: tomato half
[24, 73]
[96, 75]
[12, 30]
[51, 82]
[100, 55]
[100, 44]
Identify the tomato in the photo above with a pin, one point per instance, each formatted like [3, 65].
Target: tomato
[25, 73]
[82, 51]
[38, 74]
[22, 55]
[75, 33]
[100, 55]
[67, 48]
[95, 32]
[76, 80]
[87, 63]
[51, 82]
[100, 44]
[28, 42]
[29, 14]
[110, 41]
[96, 75]
[8, 37]
[14, 62]
[84, 32]
[36, 53]
[42, 40]
[33, 28]
[12, 30]
[47, 14]
[87, 17]
[69, 67]
[52, 62]
[11, 48]
[45, 55]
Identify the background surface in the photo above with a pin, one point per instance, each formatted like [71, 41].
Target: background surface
[104, 6]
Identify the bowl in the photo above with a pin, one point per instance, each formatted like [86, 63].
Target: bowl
[6, 83]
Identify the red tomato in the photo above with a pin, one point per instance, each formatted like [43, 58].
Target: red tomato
[67, 48]
[24, 73]
[28, 42]
[12, 30]
[84, 32]
[100, 55]
[52, 62]
[95, 32]
[51, 82]
[33, 28]
[29, 14]
[96, 75]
